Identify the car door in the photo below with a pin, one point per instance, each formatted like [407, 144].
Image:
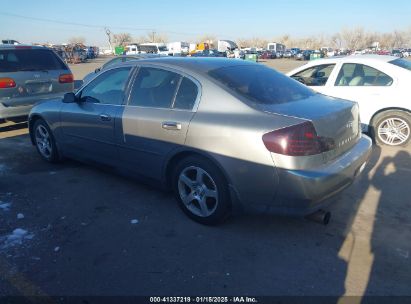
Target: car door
[316, 76]
[368, 86]
[88, 126]
[156, 119]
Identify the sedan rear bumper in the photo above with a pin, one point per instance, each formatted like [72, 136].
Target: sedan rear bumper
[302, 192]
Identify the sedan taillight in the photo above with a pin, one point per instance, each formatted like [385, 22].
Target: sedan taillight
[297, 140]
[6, 83]
[66, 78]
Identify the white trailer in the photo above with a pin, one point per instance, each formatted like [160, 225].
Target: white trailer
[226, 45]
[178, 48]
[276, 47]
[159, 48]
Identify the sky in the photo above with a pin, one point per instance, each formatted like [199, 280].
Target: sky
[185, 20]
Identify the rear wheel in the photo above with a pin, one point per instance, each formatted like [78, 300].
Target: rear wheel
[392, 128]
[45, 142]
[201, 190]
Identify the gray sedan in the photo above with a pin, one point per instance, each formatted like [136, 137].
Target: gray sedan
[222, 134]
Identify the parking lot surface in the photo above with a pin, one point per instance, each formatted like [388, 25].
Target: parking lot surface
[74, 229]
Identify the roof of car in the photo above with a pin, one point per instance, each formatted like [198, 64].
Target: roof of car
[194, 64]
[21, 46]
[366, 57]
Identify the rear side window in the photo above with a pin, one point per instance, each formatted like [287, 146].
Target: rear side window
[15, 60]
[359, 75]
[154, 88]
[187, 95]
[260, 84]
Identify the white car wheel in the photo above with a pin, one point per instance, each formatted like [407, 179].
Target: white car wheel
[393, 129]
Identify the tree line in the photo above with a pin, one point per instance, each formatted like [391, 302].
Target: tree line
[349, 38]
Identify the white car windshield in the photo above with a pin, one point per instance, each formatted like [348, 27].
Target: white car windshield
[405, 64]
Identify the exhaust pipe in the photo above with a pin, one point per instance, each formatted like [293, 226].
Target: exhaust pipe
[320, 217]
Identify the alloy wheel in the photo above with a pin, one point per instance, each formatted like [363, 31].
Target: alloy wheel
[394, 131]
[43, 141]
[198, 191]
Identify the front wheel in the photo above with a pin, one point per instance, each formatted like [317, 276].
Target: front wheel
[45, 142]
[392, 128]
[201, 190]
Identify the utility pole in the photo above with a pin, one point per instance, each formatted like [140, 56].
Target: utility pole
[108, 33]
[153, 35]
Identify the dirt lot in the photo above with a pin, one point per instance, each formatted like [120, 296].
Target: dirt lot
[73, 229]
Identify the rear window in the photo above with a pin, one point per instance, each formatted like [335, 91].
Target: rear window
[402, 63]
[16, 60]
[260, 84]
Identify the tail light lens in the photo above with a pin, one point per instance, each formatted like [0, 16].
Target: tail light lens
[297, 140]
[6, 83]
[66, 78]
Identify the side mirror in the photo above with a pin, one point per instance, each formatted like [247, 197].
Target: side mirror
[69, 98]
[97, 70]
[320, 75]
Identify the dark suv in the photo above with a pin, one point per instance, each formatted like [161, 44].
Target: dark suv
[29, 74]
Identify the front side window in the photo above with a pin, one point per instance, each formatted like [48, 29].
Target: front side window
[359, 75]
[108, 88]
[154, 88]
[315, 76]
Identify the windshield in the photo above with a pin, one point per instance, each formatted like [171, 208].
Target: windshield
[162, 49]
[405, 64]
[260, 84]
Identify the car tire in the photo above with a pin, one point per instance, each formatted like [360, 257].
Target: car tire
[45, 142]
[392, 128]
[201, 190]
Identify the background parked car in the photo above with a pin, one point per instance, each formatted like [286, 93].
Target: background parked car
[307, 54]
[288, 54]
[397, 53]
[299, 56]
[29, 74]
[380, 85]
[383, 52]
[295, 51]
[208, 53]
[267, 55]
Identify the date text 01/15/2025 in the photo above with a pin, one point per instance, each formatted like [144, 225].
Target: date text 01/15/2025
[203, 300]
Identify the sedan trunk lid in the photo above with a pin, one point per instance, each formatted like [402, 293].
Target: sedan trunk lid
[335, 120]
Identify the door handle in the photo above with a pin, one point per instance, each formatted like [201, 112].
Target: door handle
[105, 117]
[171, 125]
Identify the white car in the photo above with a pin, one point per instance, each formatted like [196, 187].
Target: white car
[380, 85]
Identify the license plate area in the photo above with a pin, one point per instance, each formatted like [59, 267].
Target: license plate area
[38, 87]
